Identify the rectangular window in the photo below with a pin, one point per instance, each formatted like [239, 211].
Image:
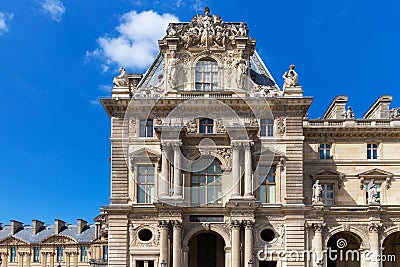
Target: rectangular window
[372, 151]
[146, 128]
[145, 184]
[267, 189]
[13, 254]
[105, 253]
[325, 151]
[206, 77]
[266, 127]
[60, 254]
[36, 254]
[206, 126]
[328, 194]
[83, 253]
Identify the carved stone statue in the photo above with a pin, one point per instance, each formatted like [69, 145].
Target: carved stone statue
[122, 78]
[317, 193]
[290, 78]
[394, 113]
[241, 70]
[349, 113]
[372, 193]
[172, 70]
[192, 126]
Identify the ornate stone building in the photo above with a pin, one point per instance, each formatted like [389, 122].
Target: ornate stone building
[214, 165]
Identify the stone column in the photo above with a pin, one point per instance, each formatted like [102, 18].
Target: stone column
[21, 259]
[248, 168]
[44, 259]
[235, 169]
[164, 179]
[318, 257]
[51, 254]
[177, 171]
[177, 243]
[373, 229]
[75, 257]
[235, 237]
[248, 242]
[28, 259]
[163, 225]
[67, 258]
[185, 257]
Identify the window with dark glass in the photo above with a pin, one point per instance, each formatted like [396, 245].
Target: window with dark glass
[60, 254]
[206, 182]
[267, 188]
[146, 128]
[328, 194]
[372, 151]
[13, 254]
[145, 184]
[206, 75]
[206, 126]
[36, 254]
[83, 253]
[105, 253]
[325, 151]
[266, 127]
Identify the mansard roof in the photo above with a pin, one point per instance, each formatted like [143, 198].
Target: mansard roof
[26, 235]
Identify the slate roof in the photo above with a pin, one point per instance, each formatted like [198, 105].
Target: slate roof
[47, 231]
[258, 72]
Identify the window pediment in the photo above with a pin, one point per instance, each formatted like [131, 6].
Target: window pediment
[59, 239]
[13, 241]
[375, 174]
[329, 175]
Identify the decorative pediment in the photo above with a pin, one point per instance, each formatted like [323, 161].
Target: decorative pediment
[375, 174]
[144, 152]
[59, 239]
[327, 174]
[13, 241]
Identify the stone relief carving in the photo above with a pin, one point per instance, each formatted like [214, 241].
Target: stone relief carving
[219, 127]
[225, 152]
[281, 126]
[135, 241]
[241, 71]
[192, 126]
[132, 127]
[290, 78]
[207, 31]
[122, 79]
[394, 113]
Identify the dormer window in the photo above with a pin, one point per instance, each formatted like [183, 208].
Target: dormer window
[206, 75]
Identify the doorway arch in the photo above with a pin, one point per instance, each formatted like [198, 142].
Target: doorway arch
[347, 245]
[391, 251]
[206, 248]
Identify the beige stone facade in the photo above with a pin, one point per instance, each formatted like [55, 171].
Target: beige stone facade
[208, 95]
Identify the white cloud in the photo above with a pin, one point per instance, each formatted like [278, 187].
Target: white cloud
[54, 8]
[198, 5]
[106, 88]
[135, 44]
[4, 20]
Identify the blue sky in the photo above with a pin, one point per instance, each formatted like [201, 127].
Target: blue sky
[59, 57]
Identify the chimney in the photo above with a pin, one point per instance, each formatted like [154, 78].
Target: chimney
[380, 108]
[81, 226]
[337, 108]
[15, 226]
[58, 226]
[36, 226]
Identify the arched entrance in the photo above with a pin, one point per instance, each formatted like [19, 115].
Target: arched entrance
[391, 253]
[348, 253]
[207, 249]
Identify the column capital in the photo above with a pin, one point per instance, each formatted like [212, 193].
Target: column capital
[318, 227]
[248, 224]
[235, 224]
[163, 224]
[177, 224]
[165, 146]
[176, 145]
[247, 145]
[236, 145]
[374, 227]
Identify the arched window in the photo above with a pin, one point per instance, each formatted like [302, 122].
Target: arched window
[206, 75]
[206, 181]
